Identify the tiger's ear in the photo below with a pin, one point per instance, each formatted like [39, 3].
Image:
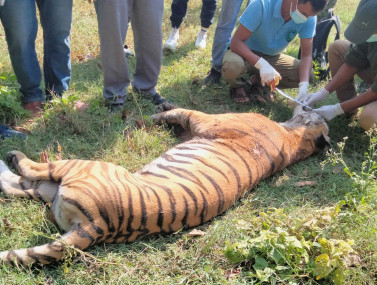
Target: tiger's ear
[323, 142]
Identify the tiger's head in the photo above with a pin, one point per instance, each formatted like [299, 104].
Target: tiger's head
[312, 123]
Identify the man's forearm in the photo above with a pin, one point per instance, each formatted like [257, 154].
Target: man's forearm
[305, 68]
[344, 74]
[359, 101]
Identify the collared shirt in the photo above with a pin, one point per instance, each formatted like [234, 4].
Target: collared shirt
[364, 56]
[270, 33]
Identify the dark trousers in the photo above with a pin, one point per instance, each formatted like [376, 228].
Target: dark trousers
[179, 9]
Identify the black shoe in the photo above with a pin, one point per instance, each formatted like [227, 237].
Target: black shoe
[213, 77]
[156, 98]
[115, 108]
[8, 132]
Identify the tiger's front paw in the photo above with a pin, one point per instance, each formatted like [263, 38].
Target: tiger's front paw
[158, 119]
[166, 106]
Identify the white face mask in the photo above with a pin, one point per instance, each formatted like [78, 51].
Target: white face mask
[372, 38]
[296, 15]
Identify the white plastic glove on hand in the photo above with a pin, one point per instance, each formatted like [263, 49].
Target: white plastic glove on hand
[266, 71]
[302, 90]
[329, 112]
[2, 2]
[313, 98]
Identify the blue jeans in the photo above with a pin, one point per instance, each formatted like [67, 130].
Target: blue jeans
[179, 9]
[225, 25]
[19, 19]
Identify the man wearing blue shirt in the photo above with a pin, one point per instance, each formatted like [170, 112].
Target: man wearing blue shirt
[266, 28]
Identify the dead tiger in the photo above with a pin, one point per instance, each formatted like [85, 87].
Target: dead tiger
[95, 201]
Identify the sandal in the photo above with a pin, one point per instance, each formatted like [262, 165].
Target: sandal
[239, 95]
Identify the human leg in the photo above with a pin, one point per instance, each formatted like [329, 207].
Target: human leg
[206, 18]
[207, 12]
[56, 19]
[20, 25]
[224, 28]
[112, 16]
[368, 117]
[336, 53]
[178, 12]
[225, 24]
[146, 20]
[234, 67]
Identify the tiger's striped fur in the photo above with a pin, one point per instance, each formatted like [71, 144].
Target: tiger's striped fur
[95, 202]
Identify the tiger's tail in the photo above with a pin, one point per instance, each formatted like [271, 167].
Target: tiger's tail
[47, 253]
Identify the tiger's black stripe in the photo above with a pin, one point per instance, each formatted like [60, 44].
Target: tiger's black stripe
[236, 175]
[266, 137]
[130, 219]
[85, 213]
[36, 191]
[241, 158]
[170, 158]
[172, 202]
[201, 160]
[155, 174]
[103, 211]
[190, 177]
[38, 256]
[191, 194]
[160, 218]
[144, 217]
[184, 219]
[219, 192]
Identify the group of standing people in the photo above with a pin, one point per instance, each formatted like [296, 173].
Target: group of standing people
[256, 49]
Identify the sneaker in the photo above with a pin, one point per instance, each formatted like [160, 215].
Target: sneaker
[8, 132]
[213, 77]
[201, 40]
[127, 51]
[172, 41]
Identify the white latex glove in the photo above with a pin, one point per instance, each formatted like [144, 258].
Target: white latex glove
[266, 71]
[2, 2]
[329, 112]
[302, 90]
[313, 98]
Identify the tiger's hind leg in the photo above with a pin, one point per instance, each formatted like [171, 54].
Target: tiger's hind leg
[28, 168]
[18, 186]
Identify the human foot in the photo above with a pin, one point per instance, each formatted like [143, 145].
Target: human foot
[239, 95]
[34, 107]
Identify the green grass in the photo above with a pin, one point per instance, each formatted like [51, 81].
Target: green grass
[178, 258]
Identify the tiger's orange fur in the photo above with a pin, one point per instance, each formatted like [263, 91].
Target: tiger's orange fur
[95, 202]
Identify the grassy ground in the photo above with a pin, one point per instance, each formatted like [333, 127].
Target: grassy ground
[179, 258]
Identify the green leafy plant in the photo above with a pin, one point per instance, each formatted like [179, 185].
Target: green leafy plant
[280, 253]
[10, 103]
